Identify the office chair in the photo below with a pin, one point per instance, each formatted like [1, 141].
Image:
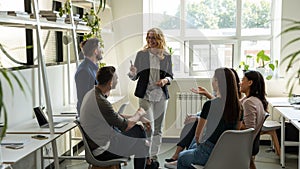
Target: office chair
[89, 157]
[270, 127]
[232, 150]
[256, 141]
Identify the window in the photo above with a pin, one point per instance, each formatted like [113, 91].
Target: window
[212, 18]
[13, 42]
[206, 57]
[252, 48]
[256, 17]
[207, 34]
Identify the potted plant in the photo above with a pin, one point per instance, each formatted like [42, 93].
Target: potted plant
[294, 57]
[265, 66]
[91, 18]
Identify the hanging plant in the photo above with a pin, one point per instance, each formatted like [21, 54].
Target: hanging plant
[66, 9]
[94, 22]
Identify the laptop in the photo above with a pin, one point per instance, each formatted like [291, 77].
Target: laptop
[43, 121]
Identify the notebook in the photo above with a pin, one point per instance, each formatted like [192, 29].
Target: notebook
[43, 121]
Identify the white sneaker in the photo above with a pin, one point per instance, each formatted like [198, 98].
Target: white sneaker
[172, 164]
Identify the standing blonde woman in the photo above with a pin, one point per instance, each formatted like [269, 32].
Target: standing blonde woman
[153, 70]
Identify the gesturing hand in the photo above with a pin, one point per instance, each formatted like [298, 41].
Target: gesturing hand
[190, 118]
[146, 123]
[133, 70]
[203, 91]
[162, 82]
[141, 112]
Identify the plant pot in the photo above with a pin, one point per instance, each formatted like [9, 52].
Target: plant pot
[261, 70]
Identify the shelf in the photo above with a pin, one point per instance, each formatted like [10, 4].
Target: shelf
[14, 21]
[87, 4]
[19, 22]
[80, 3]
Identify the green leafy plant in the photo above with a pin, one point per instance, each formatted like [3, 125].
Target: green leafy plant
[171, 51]
[94, 22]
[101, 64]
[66, 9]
[245, 64]
[263, 60]
[8, 76]
[294, 57]
[102, 5]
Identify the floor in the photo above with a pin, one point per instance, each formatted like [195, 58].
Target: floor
[264, 160]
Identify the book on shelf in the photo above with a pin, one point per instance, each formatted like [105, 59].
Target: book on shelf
[15, 13]
[52, 16]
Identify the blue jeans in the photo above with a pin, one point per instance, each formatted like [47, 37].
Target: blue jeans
[198, 155]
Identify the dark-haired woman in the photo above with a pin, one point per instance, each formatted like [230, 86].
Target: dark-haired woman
[191, 122]
[218, 115]
[254, 103]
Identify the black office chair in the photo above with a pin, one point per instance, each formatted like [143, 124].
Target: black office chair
[89, 157]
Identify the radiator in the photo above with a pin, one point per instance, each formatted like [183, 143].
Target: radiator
[187, 103]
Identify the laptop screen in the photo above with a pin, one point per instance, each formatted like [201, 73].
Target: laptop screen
[42, 120]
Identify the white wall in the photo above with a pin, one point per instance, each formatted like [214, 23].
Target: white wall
[128, 39]
[290, 10]
[19, 105]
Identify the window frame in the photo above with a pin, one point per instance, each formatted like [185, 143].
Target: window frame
[237, 39]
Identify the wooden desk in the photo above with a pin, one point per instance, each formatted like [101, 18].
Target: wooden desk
[10, 156]
[287, 113]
